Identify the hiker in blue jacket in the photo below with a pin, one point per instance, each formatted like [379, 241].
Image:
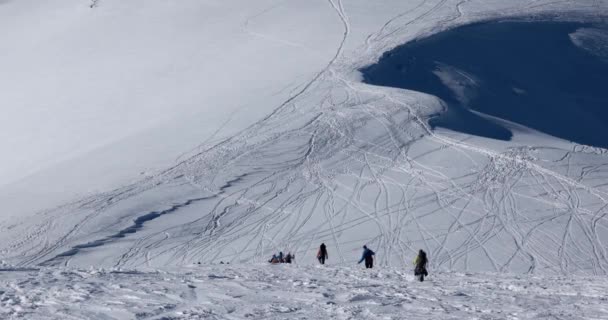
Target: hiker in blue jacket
[368, 257]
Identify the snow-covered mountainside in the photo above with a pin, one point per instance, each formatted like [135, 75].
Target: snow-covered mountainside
[290, 292]
[164, 133]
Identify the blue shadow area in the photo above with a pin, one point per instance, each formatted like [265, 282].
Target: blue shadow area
[548, 76]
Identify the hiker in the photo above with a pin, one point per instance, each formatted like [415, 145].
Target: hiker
[289, 257]
[368, 257]
[420, 263]
[274, 259]
[322, 254]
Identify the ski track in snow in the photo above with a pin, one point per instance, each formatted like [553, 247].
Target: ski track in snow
[290, 291]
[347, 163]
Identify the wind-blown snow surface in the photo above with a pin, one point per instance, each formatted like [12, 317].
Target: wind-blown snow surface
[288, 147]
[291, 292]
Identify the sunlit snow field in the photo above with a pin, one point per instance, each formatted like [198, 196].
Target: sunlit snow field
[324, 157]
[150, 135]
[295, 292]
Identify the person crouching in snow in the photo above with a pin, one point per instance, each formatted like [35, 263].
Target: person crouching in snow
[289, 257]
[420, 263]
[274, 259]
[368, 257]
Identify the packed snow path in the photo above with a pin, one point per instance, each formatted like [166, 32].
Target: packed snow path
[347, 164]
[292, 292]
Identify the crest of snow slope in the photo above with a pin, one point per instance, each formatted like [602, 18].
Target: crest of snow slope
[326, 159]
[292, 292]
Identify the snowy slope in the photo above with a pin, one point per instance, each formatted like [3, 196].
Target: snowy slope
[254, 134]
[108, 92]
[291, 292]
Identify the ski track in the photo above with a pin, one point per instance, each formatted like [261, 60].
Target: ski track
[347, 163]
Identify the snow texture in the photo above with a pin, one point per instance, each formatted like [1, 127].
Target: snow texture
[144, 137]
[293, 292]
[593, 40]
[287, 149]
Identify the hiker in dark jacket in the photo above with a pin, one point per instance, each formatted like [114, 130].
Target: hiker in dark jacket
[420, 263]
[289, 257]
[274, 259]
[368, 257]
[322, 254]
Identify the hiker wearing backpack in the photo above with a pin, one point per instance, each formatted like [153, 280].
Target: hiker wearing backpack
[368, 257]
[421, 261]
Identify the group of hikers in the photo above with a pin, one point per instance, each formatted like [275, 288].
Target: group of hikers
[280, 258]
[420, 263]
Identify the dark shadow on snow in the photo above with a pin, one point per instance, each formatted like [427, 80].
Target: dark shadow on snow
[548, 76]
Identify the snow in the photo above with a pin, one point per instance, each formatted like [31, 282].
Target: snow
[126, 87]
[593, 40]
[145, 141]
[293, 292]
[297, 156]
[156, 134]
[457, 80]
